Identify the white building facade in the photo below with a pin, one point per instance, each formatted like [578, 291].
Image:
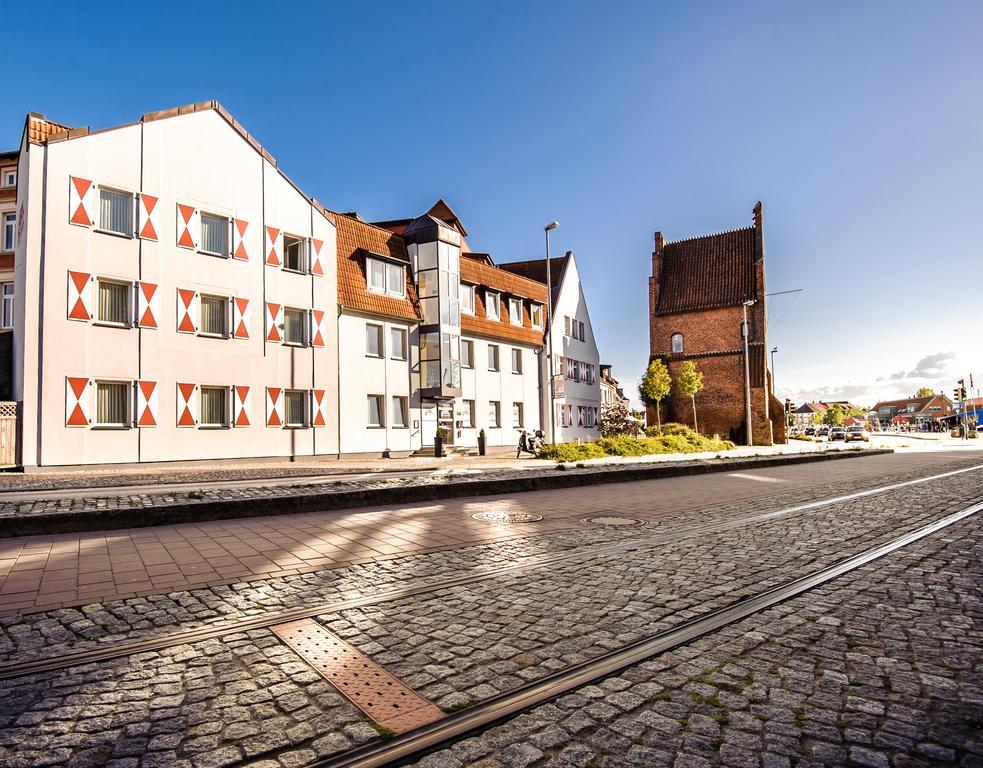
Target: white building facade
[434, 339]
[176, 297]
[576, 363]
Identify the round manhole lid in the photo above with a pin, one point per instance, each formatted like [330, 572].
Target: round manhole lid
[502, 516]
[611, 520]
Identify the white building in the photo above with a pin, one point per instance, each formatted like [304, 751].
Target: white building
[433, 337]
[576, 364]
[175, 297]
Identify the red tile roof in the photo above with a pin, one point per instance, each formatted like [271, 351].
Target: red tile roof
[707, 272]
[39, 128]
[478, 273]
[354, 239]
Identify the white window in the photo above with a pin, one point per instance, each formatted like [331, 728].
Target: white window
[395, 280]
[10, 177]
[492, 309]
[518, 415]
[376, 275]
[677, 343]
[493, 357]
[214, 235]
[467, 353]
[468, 420]
[295, 327]
[467, 299]
[400, 411]
[397, 343]
[515, 311]
[536, 313]
[581, 331]
[116, 212]
[384, 277]
[9, 231]
[112, 403]
[295, 407]
[214, 407]
[494, 414]
[113, 305]
[376, 411]
[294, 253]
[7, 296]
[214, 316]
[516, 360]
[373, 340]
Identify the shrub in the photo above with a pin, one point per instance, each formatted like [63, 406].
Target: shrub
[805, 438]
[571, 452]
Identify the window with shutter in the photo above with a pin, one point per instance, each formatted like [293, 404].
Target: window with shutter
[116, 212]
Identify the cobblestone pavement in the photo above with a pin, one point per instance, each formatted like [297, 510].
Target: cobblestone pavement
[878, 668]
[98, 623]
[69, 570]
[247, 697]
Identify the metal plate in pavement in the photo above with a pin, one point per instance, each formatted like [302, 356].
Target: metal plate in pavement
[363, 682]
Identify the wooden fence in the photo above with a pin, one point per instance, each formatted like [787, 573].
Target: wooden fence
[8, 433]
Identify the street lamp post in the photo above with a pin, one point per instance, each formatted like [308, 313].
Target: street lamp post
[773, 387]
[747, 377]
[549, 329]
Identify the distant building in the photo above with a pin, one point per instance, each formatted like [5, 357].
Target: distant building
[577, 399]
[696, 293]
[805, 414]
[8, 242]
[913, 410]
[611, 391]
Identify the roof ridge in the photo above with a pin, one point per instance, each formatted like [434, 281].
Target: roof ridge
[712, 234]
[364, 223]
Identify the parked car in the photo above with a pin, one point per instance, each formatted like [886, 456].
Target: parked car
[857, 433]
[822, 432]
[837, 433]
[810, 430]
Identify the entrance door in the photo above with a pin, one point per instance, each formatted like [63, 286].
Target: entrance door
[445, 417]
[428, 422]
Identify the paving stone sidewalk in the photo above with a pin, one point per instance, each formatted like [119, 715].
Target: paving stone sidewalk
[880, 668]
[246, 697]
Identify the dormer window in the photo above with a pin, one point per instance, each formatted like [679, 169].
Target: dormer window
[677, 343]
[493, 310]
[515, 311]
[384, 277]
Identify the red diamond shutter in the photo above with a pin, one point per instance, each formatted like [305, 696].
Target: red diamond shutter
[274, 247]
[80, 296]
[188, 226]
[240, 318]
[146, 403]
[187, 405]
[274, 407]
[240, 406]
[148, 219]
[187, 310]
[238, 240]
[320, 409]
[77, 401]
[81, 202]
[147, 305]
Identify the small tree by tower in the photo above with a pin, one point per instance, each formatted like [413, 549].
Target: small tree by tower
[654, 387]
[690, 382]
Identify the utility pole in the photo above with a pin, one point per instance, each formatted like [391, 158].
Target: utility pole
[549, 330]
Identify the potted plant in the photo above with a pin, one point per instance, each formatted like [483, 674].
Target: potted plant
[438, 442]
[481, 442]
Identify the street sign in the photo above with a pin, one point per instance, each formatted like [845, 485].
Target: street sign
[558, 383]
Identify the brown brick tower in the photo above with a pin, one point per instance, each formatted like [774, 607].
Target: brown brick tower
[696, 293]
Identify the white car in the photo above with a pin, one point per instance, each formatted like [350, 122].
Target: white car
[856, 433]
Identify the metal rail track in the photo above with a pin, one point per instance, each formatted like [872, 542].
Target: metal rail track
[64, 660]
[414, 744]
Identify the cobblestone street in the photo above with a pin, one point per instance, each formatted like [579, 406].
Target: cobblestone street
[878, 667]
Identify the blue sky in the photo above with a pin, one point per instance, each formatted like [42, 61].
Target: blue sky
[859, 125]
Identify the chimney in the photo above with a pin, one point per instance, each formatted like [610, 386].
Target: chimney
[654, 286]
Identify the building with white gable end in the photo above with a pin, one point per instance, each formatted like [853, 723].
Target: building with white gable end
[175, 298]
[576, 363]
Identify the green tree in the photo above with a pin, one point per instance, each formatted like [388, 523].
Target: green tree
[654, 387]
[925, 392]
[834, 416]
[690, 382]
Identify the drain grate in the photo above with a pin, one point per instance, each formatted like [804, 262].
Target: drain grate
[501, 516]
[612, 520]
[363, 682]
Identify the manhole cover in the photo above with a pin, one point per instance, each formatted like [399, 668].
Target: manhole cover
[611, 520]
[507, 517]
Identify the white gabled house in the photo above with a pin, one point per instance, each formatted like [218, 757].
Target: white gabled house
[576, 363]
